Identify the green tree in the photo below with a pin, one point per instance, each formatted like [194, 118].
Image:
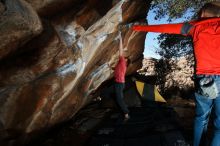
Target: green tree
[176, 8]
[176, 45]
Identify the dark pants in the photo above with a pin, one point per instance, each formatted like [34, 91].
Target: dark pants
[119, 87]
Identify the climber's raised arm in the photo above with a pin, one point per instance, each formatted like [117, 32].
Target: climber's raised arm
[179, 28]
[121, 50]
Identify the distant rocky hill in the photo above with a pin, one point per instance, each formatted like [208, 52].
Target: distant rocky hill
[174, 76]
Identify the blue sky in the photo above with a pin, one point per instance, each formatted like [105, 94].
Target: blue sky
[151, 42]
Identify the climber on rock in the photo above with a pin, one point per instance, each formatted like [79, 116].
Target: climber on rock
[119, 76]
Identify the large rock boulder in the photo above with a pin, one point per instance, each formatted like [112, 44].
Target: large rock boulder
[174, 76]
[54, 55]
[18, 23]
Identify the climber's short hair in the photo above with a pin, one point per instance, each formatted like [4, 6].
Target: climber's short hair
[212, 8]
[125, 53]
[128, 61]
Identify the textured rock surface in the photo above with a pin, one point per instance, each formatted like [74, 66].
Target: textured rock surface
[175, 75]
[149, 67]
[18, 23]
[54, 55]
[181, 75]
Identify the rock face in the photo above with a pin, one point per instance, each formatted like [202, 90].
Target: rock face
[149, 67]
[173, 76]
[19, 23]
[54, 54]
[181, 75]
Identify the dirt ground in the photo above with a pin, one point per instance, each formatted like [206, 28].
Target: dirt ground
[79, 130]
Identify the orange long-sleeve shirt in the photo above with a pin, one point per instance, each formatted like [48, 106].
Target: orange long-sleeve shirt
[206, 41]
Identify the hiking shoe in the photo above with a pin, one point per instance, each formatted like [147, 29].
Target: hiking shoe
[126, 117]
